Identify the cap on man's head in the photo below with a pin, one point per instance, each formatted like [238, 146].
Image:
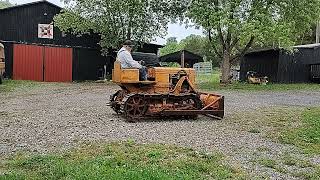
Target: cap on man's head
[128, 43]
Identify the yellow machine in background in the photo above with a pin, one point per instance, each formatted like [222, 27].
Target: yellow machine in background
[168, 92]
[2, 62]
[253, 78]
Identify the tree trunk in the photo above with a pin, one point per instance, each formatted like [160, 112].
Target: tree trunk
[225, 67]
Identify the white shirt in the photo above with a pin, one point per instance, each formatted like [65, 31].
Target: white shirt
[126, 59]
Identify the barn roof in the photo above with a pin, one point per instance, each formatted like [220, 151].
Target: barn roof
[152, 44]
[176, 57]
[24, 34]
[31, 4]
[253, 51]
[305, 46]
[311, 46]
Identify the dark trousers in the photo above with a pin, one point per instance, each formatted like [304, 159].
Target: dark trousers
[143, 73]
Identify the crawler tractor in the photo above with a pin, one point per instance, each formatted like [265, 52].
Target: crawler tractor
[168, 92]
[253, 78]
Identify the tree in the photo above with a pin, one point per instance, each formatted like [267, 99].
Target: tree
[194, 43]
[5, 4]
[171, 46]
[172, 40]
[117, 20]
[233, 26]
[309, 37]
[200, 45]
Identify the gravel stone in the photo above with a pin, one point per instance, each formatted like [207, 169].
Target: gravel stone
[55, 117]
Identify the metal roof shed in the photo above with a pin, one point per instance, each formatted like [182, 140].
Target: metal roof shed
[189, 58]
[283, 66]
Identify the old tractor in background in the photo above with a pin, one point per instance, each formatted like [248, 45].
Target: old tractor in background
[254, 78]
[168, 92]
[2, 63]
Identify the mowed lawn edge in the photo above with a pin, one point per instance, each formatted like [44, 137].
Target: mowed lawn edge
[297, 126]
[307, 135]
[122, 160]
[211, 82]
[11, 85]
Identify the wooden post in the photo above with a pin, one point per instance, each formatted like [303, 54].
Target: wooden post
[318, 32]
[182, 59]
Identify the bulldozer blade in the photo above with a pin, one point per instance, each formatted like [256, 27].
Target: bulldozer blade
[213, 106]
[192, 112]
[213, 102]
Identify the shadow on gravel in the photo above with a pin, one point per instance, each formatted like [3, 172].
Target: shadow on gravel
[166, 119]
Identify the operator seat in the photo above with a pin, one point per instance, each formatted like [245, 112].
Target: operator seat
[127, 75]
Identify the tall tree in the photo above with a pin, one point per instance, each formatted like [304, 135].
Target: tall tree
[194, 43]
[117, 20]
[5, 4]
[171, 40]
[238, 24]
[200, 45]
[171, 46]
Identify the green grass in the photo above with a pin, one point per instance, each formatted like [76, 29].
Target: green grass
[273, 164]
[289, 125]
[307, 137]
[308, 175]
[298, 126]
[255, 131]
[120, 161]
[212, 82]
[11, 85]
[289, 160]
[270, 163]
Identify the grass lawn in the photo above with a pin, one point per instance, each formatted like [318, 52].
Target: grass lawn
[11, 85]
[297, 126]
[212, 82]
[307, 136]
[120, 161]
[288, 125]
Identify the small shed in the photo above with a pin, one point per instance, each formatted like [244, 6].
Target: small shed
[185, 56]
[301, 65]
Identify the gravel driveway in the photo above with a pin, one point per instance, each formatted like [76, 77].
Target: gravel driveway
[53, 117]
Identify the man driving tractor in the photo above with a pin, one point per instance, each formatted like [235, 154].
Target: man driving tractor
[126, 60]
[169, 91]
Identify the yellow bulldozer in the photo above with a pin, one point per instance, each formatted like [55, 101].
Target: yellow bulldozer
[2, 62]
[168, 92]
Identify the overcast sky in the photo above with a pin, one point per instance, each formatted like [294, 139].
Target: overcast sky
[174, 30]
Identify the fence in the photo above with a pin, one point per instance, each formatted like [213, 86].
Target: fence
[203, 68]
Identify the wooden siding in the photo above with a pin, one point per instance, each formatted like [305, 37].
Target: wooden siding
[292, 69]
[264, 63]
[87, 62]
[20, 24]
[282, 66]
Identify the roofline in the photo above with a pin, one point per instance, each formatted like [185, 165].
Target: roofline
[308, 46]
[159, 45]
[50, 45]
[181, 51]
[262, 50]
[305, 46]
[29, 4]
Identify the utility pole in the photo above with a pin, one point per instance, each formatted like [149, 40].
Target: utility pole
[182, 59]
[318, 32]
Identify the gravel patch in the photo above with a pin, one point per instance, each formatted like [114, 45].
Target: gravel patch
[55, 117]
